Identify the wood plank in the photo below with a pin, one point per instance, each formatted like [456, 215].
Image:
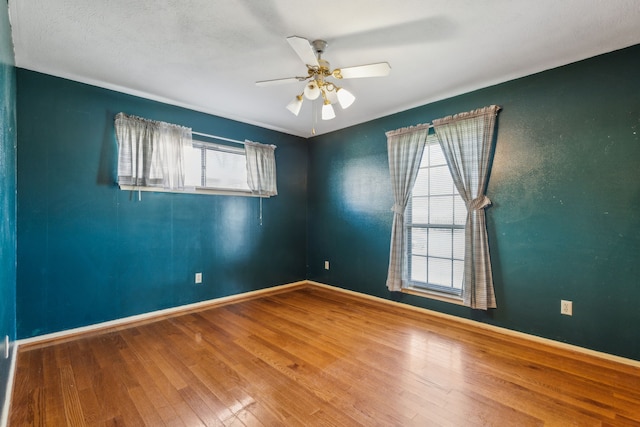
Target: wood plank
[72, 407]
[313, 356]
[52, 390]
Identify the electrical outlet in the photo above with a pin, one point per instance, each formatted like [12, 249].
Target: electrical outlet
[566, 307]
[198, 277]
[326, 265]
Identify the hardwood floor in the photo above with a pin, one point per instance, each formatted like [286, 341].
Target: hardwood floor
[312, 356]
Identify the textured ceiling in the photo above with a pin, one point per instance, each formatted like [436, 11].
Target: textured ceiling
[207, 54]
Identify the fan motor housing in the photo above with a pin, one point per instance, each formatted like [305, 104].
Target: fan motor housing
[324, 66]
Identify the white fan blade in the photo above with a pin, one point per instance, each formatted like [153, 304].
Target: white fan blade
[372, 70]
[304, 50]
[265, 83]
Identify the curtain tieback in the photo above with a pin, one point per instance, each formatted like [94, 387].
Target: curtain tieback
[398, 209]
[478, 203]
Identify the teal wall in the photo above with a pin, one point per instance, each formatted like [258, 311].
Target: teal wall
[89, 252]
[565, 220]
[7, 195]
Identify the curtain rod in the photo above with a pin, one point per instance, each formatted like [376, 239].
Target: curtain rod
[217, 137]
[409, 129]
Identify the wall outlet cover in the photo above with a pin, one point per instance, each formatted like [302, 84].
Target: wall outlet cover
[566, 307]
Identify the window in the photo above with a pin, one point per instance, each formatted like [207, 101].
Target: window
[219, 167]
[434, 226]
[210, 169]
[160, 156]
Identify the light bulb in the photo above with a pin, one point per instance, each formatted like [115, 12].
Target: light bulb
[295, 105]
[311, 90]
[327, 111]
[345, 98]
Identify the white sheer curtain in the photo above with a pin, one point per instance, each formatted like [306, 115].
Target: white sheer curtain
[466, 141]
[405, 147]
[261, 170]
[151, 153]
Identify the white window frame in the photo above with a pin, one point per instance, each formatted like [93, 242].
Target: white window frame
[203, 147]
[448, 293]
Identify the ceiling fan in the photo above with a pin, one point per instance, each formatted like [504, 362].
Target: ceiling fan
[318, 71]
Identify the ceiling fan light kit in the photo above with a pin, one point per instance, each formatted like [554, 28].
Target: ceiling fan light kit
[318, 70]
[318, 85]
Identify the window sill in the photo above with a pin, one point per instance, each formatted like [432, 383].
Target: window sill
[440, 296]
[196, 190]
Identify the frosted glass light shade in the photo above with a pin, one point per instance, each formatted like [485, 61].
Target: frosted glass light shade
[295, 105]
[311, 90]
[327, 111]
[345, 98]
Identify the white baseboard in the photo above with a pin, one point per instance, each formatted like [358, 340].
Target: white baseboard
[253, 294]
[6, 405]
[489, 327]
[152, 314]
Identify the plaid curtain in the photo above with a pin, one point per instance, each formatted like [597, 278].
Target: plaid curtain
[405, 147]
[467, 142]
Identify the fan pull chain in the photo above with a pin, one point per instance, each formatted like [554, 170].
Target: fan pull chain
[314, 118]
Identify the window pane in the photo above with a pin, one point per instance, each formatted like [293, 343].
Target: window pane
[440, 272]
[419, 210]
[458, 274]
[460, 209]
[225, 170]
[419, 241]
[418, 269]
[421, 186]
[458, 243]
[193, 167]
[436, 156]
[440, 181]
[441, 210]
[440, 242]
